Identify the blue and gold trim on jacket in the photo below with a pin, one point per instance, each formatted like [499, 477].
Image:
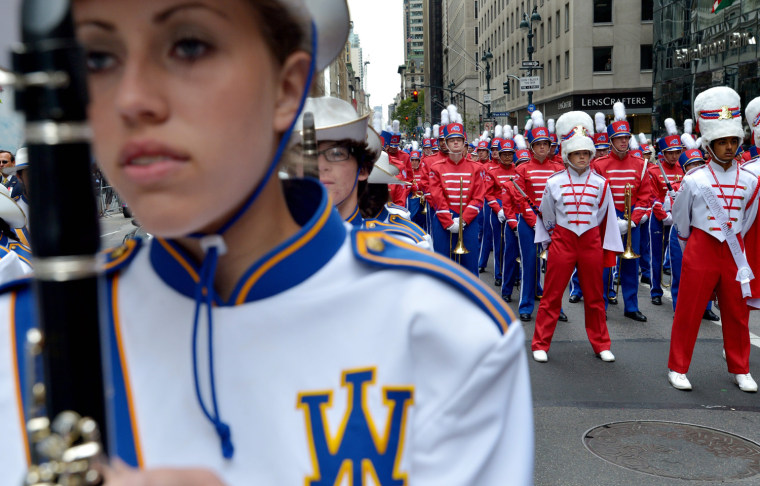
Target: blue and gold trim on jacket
[356, 218]
[395, 228]
[8, 245]
[322, 233]
[381, 250]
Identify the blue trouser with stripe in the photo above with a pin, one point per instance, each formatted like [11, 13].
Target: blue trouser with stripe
[645, 262]
[486, 241]
[511, 250]
[676, 257]
[445, 241]
[529, 286]
[629, 272]
[431, 221]
[656, 230]
[415, 211]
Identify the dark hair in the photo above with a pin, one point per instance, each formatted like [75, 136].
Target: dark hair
[372, 199]
[5, 229]
[280, 30]
[13, 157]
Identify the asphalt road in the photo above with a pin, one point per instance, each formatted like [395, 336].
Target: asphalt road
[575, 392]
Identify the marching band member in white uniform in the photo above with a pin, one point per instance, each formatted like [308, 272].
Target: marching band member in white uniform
[580, 229]
[15, 257]
[714, 208]
[303, 382]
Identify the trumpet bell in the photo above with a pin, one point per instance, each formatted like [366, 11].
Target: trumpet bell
[460, 249]
[545, 255]
[629, 254]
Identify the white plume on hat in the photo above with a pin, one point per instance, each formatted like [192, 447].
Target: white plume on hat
[396, 126]
[538, 119]
[507, 132]
[716, 99]
[642, 139]
[528, 125]
[515, 130]
[601, 123]
[453, 113]
[670, 126]
[570, 122]
[520, 142]
[688, 126]
[459, 119]
[415, 146]
[427, 133]
[633, 144]
[436, 130]
[445, 120]
[551, 125]
[498, 131]
[753, 120]
[698, 142]
[484, 136]
[618, 109]
[688, 141]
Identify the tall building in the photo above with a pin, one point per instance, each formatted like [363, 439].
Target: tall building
[433, 55]
[696, 48]
[593, 53]
[414, 53]
[460, 63]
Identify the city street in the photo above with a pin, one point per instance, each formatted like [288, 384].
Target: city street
[113, 228]
[576, 392]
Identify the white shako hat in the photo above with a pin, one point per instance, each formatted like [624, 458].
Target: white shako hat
[22, 162]
[10, 212]
[332, 22]
[334, 119]
[752, 113]
[718, 114]
[574, 129]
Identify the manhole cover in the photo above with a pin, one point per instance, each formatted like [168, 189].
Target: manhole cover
[674, 450]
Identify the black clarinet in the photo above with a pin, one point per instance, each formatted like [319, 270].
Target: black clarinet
[51, 92]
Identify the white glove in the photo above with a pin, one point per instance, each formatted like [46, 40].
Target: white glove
[644, 219]
[667, 205]
[668, 221]
[454, 228]
[672, 194]
[622, 226]
[502, 217]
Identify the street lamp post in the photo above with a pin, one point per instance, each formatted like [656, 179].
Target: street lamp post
[487, 56]
[451, 91]
[527, 24]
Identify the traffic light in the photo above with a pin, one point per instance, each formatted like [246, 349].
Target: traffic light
[506, 87]
[415, 94]
[406, 118]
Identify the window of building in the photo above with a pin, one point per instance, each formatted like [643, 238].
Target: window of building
[602, 11]
[476, 9]
[646, 57]
[567, 64]
[567, 17]
[549, 29]
[541, 34]
[556, 24]
[647, 10]
[549, 73]
[602, 59]
[476, 35]
[556, 70]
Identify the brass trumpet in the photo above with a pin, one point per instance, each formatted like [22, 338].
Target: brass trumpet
[460, 249]
[628, 254]
[423, 203]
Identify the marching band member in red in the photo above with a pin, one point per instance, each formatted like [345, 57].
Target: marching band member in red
[487, 220]
[714, 208]
[601, 139]
[660, 176]
[416, 197]
[532, 180]
[456, 181]
[502, 218]
[580, 229]
[620, 169]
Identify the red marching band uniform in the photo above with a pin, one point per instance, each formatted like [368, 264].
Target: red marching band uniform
[714, 209]
[579, 226]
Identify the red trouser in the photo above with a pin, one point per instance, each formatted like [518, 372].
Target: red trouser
[567, 252]
[708, 266]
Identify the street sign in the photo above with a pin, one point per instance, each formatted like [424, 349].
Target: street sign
[531, 108]
[487, 98]
[531, 64]
[530, 83]
[500, 113]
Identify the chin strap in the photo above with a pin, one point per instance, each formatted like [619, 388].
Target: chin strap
[213, 247]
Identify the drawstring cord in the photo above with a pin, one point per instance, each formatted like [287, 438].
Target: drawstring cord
[213, 247]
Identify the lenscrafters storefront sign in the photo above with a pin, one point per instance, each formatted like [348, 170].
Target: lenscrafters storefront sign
[734, 40]
[604, 101]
